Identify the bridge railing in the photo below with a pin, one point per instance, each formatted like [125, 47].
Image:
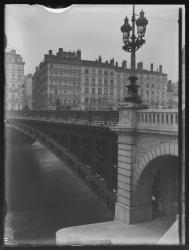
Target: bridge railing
[99, 118]
[158, 119]
[151, 119]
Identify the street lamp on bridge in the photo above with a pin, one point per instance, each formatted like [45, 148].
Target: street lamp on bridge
[131, 44]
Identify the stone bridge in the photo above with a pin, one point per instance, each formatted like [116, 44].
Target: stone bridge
[129, 157]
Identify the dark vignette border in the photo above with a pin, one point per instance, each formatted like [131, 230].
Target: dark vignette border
[63, 4]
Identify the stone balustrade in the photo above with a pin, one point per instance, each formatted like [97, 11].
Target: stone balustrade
[158, 119]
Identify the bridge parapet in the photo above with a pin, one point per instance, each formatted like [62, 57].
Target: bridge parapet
[148, 119]
[97, 118]
[158, 119]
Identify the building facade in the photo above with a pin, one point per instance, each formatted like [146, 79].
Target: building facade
[57, 81]
[28, 92]
[14, 79]
[172, 94]
[65, 80]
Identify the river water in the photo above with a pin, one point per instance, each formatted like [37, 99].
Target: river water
[43, 195]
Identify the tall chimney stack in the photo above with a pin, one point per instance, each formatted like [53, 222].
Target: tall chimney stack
[112, 62]
[151, 66]
[160, 68]
[78, 54]
[124, 64]
[140, 66]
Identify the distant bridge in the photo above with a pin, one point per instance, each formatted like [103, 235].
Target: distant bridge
[120, 155]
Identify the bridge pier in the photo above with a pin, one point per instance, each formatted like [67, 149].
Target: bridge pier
[125, 209]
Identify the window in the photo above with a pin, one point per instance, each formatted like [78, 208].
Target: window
[147, 85]
[147, 93]
[93, 91]
[112, 73]
[111, 91]
[105, 73]
[93, 81]
[152, 92]
[93, 71]
[152, 85]
[105, 82]
[86, 71]
[86, 90]
[100, 72]
[99, 91]
[105, 91]
[111, 83]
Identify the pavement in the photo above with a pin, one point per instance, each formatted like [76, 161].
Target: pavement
[171, 236]
[118, 233]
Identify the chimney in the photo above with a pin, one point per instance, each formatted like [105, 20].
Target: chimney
[79, 54]
[112, 62]
[160, 68]
[151, 66]
[60, 51]
[50, 52]
[140, 66]
[124, 64]
[116, 64]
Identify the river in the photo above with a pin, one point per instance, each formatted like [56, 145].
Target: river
[43, 195]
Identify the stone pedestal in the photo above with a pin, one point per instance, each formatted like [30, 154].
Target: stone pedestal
[131, 215]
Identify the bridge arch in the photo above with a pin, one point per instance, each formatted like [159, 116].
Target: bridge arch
[156, 183]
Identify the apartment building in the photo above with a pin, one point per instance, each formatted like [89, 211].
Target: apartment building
[14, 79]
[64, 80]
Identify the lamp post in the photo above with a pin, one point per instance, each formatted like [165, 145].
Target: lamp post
[131, 44]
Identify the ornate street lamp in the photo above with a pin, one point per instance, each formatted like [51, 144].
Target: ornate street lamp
[131, 44]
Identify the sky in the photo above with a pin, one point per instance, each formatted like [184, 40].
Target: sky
[95, 29]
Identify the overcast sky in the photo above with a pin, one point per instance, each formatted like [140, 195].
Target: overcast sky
[95, 29]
